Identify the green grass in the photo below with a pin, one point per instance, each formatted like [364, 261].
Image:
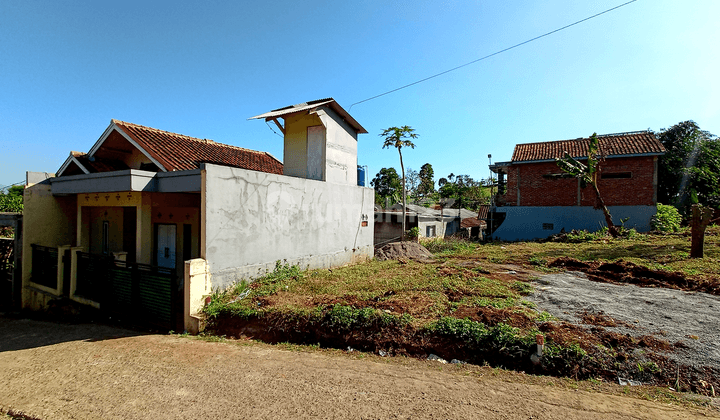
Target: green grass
[463, 279]
[670, 252]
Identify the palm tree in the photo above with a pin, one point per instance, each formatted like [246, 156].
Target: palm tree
[399, 137]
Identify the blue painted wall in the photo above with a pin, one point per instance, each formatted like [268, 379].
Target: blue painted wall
[527, 223]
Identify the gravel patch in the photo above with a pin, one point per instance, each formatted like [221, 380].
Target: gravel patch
[692, 318]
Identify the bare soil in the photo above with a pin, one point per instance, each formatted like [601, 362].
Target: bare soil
[90, 371]
[402, 251]
[614, 348]
[626, 272]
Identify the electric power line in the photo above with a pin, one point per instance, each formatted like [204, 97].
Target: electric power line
[495, 53]
[11, 185]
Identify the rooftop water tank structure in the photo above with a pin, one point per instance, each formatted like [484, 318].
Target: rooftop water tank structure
[361, 176]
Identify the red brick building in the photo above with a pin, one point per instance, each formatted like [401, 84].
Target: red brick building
[627, 178]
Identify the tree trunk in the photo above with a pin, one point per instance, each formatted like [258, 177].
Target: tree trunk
[402, 168]
[608, 218]
[700, 220]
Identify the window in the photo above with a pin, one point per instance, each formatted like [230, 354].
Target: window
[558, 176]
[430, 231]
[616, 175]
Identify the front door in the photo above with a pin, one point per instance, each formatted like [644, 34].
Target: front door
[315, 152]
[165, 241]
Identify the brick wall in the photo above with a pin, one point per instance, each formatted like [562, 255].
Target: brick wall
[537, 189]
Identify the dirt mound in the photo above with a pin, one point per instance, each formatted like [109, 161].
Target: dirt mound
[400, 250]
[627, 272]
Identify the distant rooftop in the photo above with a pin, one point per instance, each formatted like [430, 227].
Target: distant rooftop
[619, 144]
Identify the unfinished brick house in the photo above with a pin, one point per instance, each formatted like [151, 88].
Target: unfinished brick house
[536, 199]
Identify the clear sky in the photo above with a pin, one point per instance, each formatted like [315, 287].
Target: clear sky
[203, 68]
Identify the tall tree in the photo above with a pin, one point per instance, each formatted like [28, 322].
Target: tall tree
[587, 174]
[413, 181]
[427, 180]
[689, 172]
[387, 184]
[399, 137]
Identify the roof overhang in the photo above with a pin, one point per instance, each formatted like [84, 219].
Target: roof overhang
[518, 162]
[112, 127]
[128, 180]
[310, 107]
[68, 161]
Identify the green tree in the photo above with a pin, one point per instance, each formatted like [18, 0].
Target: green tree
[387, 184]
[16, 191]
[689, 172]
[427, 180]
[399, 137]
[462, 191]
[413, 182]
[587, 174]
[13, 200]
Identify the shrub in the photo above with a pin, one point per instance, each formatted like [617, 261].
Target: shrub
[348, 318]
[667, 219]
[449, 245]
[413, 233]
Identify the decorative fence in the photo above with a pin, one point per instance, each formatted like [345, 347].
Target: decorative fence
[144, 293]
[7, 268]
[44, 266]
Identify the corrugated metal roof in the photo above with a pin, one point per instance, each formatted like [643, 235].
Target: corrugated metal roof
[310, 105]
[634, 143]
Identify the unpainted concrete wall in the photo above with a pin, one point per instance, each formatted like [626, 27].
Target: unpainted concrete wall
[528, 223]
[253, 219]
[340, 149]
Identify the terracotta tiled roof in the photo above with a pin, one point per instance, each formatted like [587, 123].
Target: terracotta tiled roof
[179, 152]
[472, 222]
[635, 143]
[97, 164]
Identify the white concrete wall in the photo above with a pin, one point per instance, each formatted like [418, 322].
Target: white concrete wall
[253, 219]
[340, 149]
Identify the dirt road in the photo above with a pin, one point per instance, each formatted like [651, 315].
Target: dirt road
[57, 371]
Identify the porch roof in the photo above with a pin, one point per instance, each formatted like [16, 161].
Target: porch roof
[128, 180]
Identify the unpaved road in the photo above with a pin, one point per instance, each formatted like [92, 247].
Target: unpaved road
[87, 371]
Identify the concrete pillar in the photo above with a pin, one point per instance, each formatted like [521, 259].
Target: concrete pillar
[197, 286]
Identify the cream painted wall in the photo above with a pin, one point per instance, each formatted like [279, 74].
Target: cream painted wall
[295, 157]
[47, 221]
[114, 217]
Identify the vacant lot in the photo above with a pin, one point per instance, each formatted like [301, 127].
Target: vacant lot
[478, 303]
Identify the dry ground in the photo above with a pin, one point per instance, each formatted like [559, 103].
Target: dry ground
[87, 371]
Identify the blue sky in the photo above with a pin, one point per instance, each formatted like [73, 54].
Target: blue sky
[203, 68]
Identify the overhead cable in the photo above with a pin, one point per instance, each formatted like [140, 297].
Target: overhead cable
[495, 53]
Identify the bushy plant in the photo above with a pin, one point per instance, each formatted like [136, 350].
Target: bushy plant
[667, 219]
[449, 245]
[413, 233]
[10, 203]
[347, 318]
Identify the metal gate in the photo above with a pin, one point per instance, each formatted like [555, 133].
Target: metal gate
[142, 293]
[7, 267]
[44, 266]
